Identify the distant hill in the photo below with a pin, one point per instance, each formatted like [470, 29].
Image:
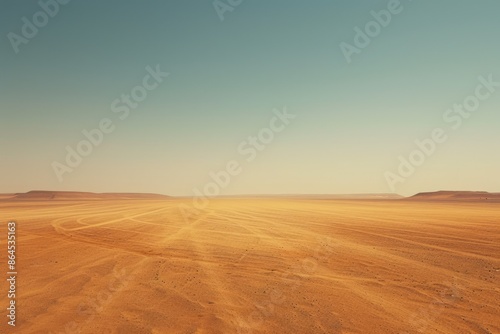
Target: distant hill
[39, 195]
[43, 195]
[322, 196]
[456, 196]
[356, 196]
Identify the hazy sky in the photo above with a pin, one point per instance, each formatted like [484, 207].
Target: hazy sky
[353, 120]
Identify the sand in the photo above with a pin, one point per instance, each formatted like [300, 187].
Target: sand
[254, 266]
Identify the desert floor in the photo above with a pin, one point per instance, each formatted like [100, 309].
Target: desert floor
[254, 266]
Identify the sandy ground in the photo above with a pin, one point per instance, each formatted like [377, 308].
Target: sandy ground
[254, 266]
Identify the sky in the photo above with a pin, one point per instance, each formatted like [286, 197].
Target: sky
[232, 67]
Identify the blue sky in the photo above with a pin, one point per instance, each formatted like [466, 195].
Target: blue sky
[352, 122]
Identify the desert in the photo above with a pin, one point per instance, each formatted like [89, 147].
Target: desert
[139, 264]
[250, 167]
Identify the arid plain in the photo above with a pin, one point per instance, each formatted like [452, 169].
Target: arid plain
[254, 265]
